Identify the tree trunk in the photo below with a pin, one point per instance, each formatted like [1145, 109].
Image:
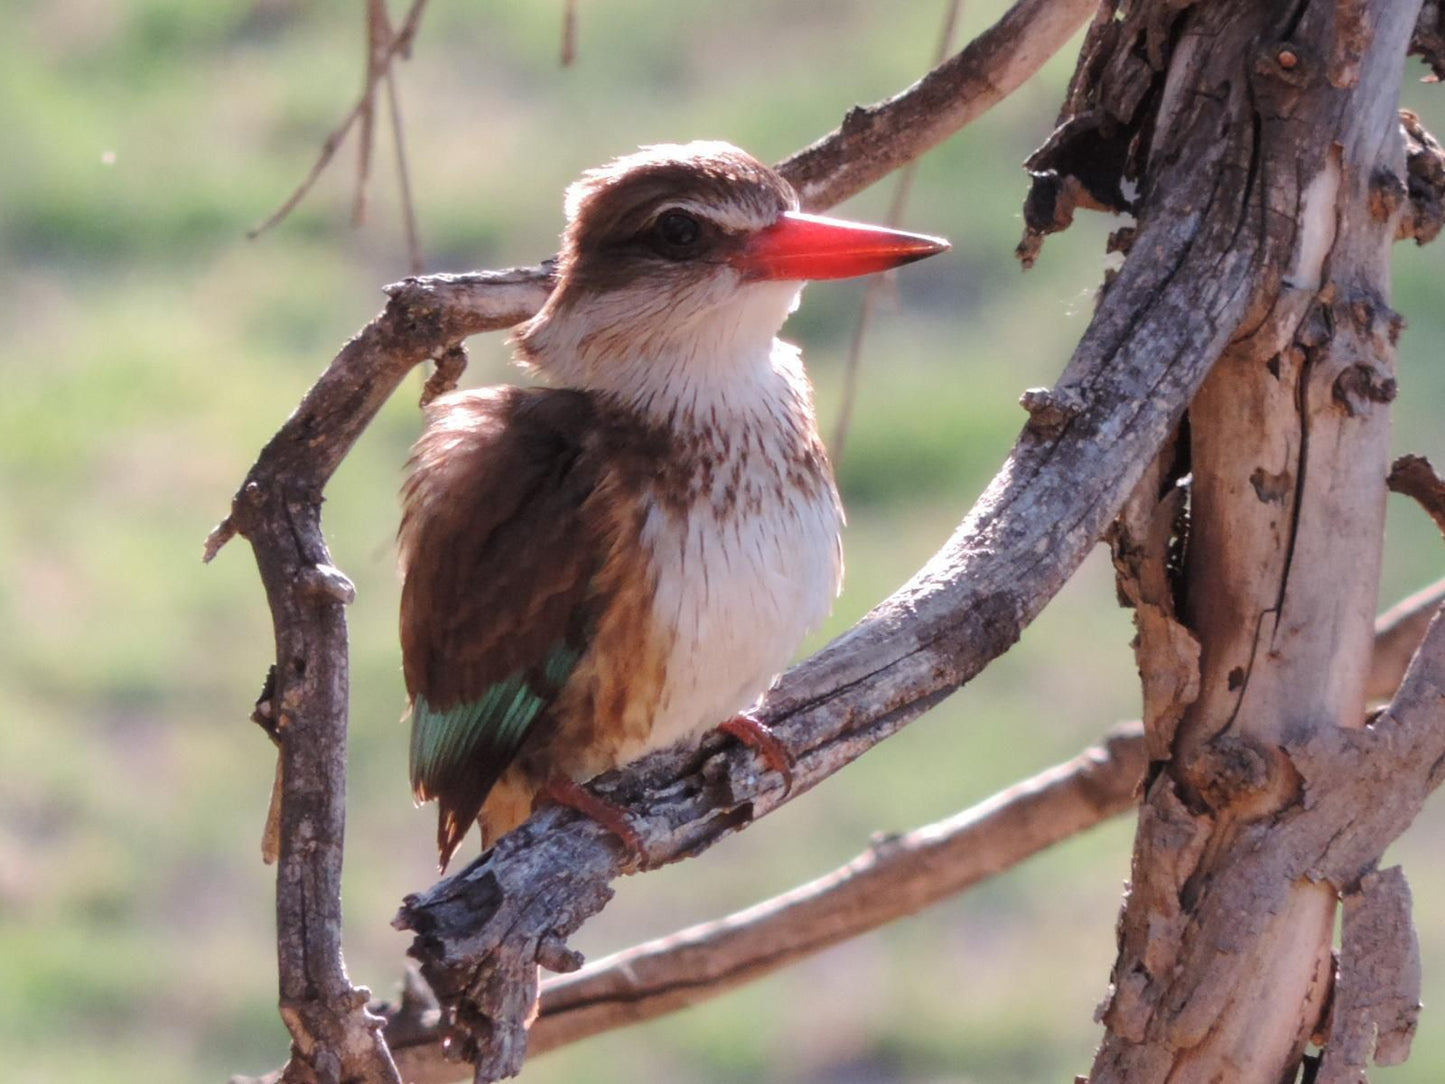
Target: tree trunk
[1258, 639]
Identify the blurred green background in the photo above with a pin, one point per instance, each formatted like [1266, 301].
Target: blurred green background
[148, 350]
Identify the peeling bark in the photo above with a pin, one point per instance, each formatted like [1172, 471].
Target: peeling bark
[1224, 963]
[1259, 147]
[278, 510]
[1377, 984]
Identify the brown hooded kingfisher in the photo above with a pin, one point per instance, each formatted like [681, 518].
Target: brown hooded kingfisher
[626, 557]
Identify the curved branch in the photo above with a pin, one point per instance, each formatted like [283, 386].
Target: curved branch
[901, 877]
[305, 700]
[896, 876]
[875, 140]
[278, 511]
[1186, 287]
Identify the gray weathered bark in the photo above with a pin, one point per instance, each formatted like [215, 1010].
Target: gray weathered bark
[1245, 127]
[1271, 176]
[304, 703]
[1253, 622]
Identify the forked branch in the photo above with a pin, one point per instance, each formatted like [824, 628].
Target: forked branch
[1169, 313]
[896, 877]
[278, 510]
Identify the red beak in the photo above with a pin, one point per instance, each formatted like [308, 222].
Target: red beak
[800, 247]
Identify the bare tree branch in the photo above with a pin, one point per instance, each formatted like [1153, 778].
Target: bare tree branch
[1193, 281]
[1224, 942]
[875, 140]
[1414, 477]
[899, 877]
[278, 510]
[877, 284]
[378, 40]
[1398, 632]
[896, 876]
[364, 109]
[1185, 288]
[937, 860]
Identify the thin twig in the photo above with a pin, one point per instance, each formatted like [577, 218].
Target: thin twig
[403, 177]
[399, 43]
[378, 37]
[878, 283]
[569, 32]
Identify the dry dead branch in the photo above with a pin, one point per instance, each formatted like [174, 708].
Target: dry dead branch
[873, 291]
[278, 510]
[384, 46]
[1253, 295]
[903, 875]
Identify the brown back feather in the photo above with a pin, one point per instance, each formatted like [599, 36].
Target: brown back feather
[497, 558]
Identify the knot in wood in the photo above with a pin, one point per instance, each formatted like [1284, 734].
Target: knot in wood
[1288, 64]
[1231, 770]
[855, 120]
[1050, 409]
[326, 582]
[1360, 385]
[1318, 325]
[554, 954]
[1387, 193]
[1121, 240]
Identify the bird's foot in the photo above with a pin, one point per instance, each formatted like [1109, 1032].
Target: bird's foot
[758, 736]
[573, 795]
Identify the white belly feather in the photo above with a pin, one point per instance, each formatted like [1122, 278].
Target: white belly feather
[738, 592]
[755, 562]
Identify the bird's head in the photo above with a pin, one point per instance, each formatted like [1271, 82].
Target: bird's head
[686, 259]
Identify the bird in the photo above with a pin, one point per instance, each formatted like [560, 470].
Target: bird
[624, 555]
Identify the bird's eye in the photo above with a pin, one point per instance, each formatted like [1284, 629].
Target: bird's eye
[676, 233]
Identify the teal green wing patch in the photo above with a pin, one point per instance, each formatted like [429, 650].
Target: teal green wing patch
[467, 746]
[499, 555]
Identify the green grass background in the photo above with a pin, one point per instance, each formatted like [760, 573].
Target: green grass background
[147, 350]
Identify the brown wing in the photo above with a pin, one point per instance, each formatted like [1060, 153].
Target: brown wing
[497, 602]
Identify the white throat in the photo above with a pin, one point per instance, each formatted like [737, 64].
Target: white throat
[670, 358]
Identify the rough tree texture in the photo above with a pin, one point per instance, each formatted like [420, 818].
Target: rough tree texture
[891, 879]
[304, 703]
[1245, 127]
[1270, 131]
[1182, 294]
[1270, 174]
[279, 510]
